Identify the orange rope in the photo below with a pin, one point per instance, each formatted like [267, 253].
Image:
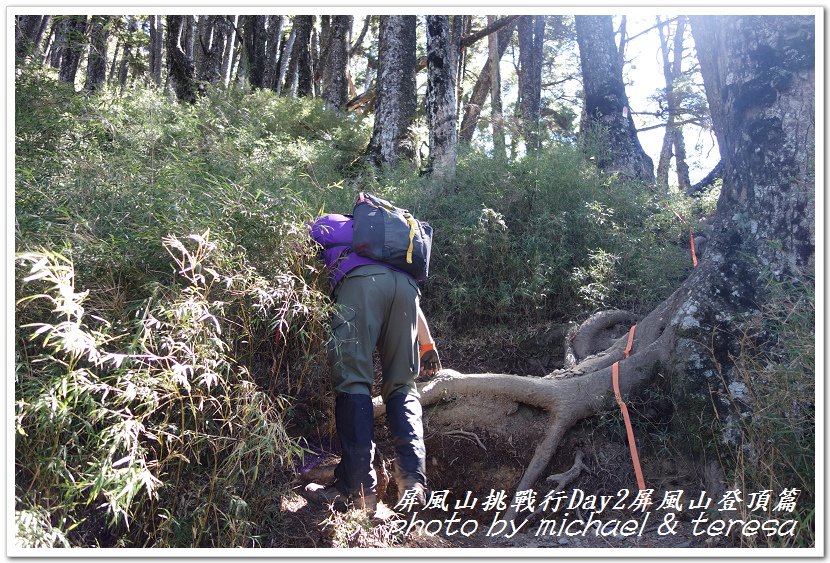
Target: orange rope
[632, 444]
[691, 236]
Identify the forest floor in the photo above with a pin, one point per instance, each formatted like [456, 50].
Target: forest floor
[488, 455]
[459, 464]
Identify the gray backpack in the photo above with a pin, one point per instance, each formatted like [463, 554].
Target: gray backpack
[389, 234]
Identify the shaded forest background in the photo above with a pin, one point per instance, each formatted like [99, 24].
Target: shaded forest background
[170, 373]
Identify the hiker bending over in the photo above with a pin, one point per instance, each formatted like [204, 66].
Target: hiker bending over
[376, 307]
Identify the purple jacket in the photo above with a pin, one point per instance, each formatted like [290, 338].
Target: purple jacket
[334, 233]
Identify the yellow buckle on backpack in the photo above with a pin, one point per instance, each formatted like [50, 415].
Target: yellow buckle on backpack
[412, 226]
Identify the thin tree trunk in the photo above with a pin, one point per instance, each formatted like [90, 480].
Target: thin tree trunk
[127, 55]
[299, 80]
[316, 86]
[499, 148]
[60, 42]
[50, 40]
[44, 24]
[623, 40]
[443, 139]
[472, 110]
[335, 82]
[531, 39]
[284, 59]
[272, 51]
[461, 65]
[682, 166]
[156, 44]
[665, 151]
[230, 49]
[114, 66]
[76, 40]
[96, 68]
[683, 182]
[359, 41]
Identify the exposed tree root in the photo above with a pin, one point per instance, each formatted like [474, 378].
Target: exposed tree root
[565, 478]
[468, 435]
[591, 336]
[568, 395]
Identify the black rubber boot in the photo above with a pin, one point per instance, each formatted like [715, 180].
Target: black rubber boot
[355, 422]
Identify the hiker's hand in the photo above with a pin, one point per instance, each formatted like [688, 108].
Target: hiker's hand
[430, 362]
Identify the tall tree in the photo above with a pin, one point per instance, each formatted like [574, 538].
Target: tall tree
[285, 57]
[460, 26]
[472, 110]
[335, 65]
[156, 43]
[96, 68]
[230, 48]
[299, 79]
[531, 43]
[181, 70]
[75, 43]
[254, 38]
[127, 56]
[672, 71]
[395, 106]
[443, 138]
[272, 50]
[497, 116]
[607, 112]
[209, 47]
[60, 31]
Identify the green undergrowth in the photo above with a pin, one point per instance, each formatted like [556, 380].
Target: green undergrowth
[777, 381]
[171, 315]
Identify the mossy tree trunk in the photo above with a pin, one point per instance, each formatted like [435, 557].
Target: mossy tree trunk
[208, 48]
[395, 106]
[440, 102]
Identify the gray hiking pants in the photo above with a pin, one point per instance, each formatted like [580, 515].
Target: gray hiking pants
[376, 308]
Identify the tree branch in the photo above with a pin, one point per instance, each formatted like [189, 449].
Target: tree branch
[468, 40]
[676, 123]
[359, 42]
